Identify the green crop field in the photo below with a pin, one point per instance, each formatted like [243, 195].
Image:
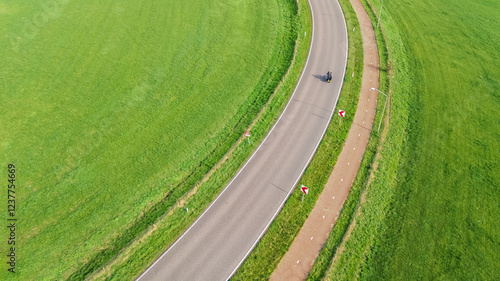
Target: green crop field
[112, 110]
[431, 212]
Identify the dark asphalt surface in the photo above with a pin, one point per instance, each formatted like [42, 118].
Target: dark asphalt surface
[218, 242]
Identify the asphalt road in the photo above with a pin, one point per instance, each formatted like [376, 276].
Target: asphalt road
[218, 242]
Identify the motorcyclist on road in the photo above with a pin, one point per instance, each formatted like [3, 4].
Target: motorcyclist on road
[328, 76]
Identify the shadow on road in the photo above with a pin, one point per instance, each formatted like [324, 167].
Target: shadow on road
[320, 77]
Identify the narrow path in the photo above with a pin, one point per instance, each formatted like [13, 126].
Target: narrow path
[301, 256]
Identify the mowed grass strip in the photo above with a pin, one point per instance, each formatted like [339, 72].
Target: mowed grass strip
[432, 209]
[109, 108]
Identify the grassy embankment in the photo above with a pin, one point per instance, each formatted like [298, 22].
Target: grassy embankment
[431, 211]
[112, 111]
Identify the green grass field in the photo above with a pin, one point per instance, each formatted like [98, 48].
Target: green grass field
[432, 211]
[112, 110]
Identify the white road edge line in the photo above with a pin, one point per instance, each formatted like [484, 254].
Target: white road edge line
[277, 121]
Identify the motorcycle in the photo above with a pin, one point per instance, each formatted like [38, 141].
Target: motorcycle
[328, 76]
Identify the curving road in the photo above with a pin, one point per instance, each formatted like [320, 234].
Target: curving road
[217, 243]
